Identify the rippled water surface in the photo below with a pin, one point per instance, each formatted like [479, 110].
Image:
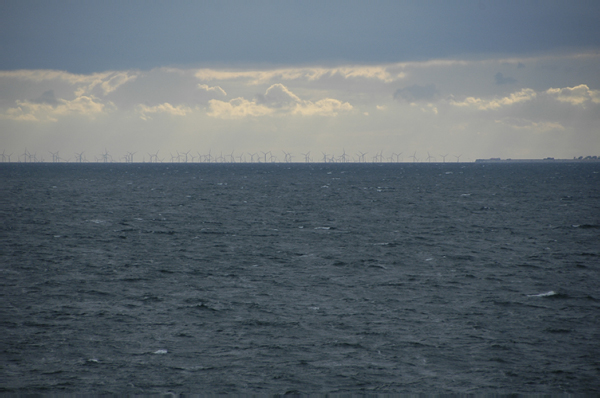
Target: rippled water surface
[156, 278]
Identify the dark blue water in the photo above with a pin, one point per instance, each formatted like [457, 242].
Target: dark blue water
[435, 278]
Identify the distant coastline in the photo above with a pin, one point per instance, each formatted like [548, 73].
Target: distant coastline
[545, 160]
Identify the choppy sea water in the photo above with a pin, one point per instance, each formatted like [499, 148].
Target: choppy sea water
[342, 278]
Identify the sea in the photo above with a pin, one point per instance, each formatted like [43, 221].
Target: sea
[367, 279]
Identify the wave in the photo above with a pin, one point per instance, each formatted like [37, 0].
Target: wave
[546, 294]
[586, 226]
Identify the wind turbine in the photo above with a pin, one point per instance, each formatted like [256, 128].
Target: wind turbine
[265, 153]
[414, 157]
[344, 156]
[444, 157]
[55, 157]
[106, 156]
[306, 157]
[458, 158]
[4, 156]
[429, 157]
[186, 155]
[153, 156]
[129, 157]
[378, 158]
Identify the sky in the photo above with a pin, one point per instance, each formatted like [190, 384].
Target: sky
[356, 80]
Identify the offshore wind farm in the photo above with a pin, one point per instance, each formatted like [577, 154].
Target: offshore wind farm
[208, 157]
[256, 157]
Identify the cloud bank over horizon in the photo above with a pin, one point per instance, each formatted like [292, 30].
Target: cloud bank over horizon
[440, 107]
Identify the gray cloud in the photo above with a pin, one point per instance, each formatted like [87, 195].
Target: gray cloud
[417, 93]
[47, 97]
[73, 35]
[501, 79]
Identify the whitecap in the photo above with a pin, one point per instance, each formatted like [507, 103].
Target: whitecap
[547, 294]
[322, 227]
[160, 352]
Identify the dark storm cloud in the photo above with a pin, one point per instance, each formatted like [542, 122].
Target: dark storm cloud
[501, 79]
[88, 36]
[417, 93]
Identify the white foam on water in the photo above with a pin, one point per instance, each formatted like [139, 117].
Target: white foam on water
[550, 293]
[160, 352]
